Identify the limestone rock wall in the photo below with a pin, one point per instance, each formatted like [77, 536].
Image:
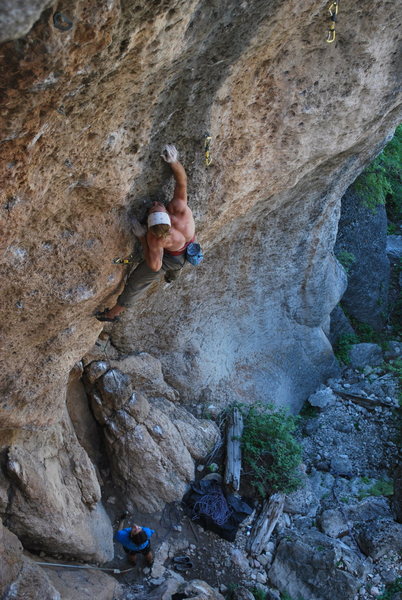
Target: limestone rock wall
[84, 113]
[53, 495]
[135, 427]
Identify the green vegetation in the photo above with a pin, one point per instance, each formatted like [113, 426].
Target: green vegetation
[286, 596]
[270, 450]
[383, 487]
[365, 333]
[308, 411]
[343, 345]
[395, 367]
[391, 589]
[231, 593]
[347, 259]
[381, 181]
[258, 593]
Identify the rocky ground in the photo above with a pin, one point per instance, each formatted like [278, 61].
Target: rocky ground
[337, 537]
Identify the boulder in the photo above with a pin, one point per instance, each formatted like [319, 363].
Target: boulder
[20, 577]
[302, 501]
[361, 355]
[323, 397]
[378, 537]
[145, 372]
[394, 246]
[55, 496]
[242, 593]
[316, 567]
[333, 523]
[342, 465]
[198, 590]
[18, 16]
[84, 584]
[168, 436]
[393, 350]
[368, 509]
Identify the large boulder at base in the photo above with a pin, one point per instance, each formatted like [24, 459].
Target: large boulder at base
[20, 577]
[316, 567]
[168, 436]
[84, 584]
[55, 495]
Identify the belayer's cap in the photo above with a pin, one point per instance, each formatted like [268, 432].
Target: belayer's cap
[158, 218]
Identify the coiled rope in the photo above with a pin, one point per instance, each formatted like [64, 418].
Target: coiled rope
[213, 505]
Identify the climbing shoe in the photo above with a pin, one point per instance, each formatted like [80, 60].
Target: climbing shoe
[101, 316]
[182, 563]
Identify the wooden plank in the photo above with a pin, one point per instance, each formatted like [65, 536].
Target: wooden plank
[233, 450]
[265, 524]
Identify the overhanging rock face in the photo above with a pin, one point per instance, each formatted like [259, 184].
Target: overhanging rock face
[85, 111]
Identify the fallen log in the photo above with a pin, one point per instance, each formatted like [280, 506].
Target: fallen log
[265, 524]
[233, 450]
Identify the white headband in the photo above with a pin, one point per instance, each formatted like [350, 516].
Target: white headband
[157, 218]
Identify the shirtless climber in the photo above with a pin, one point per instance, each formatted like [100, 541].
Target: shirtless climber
[170, 230]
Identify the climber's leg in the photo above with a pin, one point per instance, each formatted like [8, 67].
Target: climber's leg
[140, 279]
[172, 265]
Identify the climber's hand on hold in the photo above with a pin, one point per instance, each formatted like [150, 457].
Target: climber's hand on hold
[138, 230]
[170, 154]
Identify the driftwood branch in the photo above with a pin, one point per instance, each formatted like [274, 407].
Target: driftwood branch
[265, 523]
[233, 451]
[364, 401]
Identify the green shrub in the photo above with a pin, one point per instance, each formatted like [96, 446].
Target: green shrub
[343, 345]
[391, 589]
[347, 259]
[381, 181]
[383, 487]
[270, 451]
[258, 593]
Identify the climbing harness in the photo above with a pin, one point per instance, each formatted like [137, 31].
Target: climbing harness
[333, 9]
[123, 261]
[62, 22]
[207, 145]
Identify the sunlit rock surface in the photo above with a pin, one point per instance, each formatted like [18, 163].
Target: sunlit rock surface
[84, 113]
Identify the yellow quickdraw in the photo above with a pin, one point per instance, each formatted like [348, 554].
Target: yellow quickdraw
[333, 9]
[123, 261]
[207, 145]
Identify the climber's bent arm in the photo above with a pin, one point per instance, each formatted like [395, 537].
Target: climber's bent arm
[153, 251]
[179, 201]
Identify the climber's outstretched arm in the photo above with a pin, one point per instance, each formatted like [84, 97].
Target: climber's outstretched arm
[179, 201]
[171, 156]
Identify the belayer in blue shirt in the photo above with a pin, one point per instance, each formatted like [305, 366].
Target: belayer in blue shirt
[135, 540]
